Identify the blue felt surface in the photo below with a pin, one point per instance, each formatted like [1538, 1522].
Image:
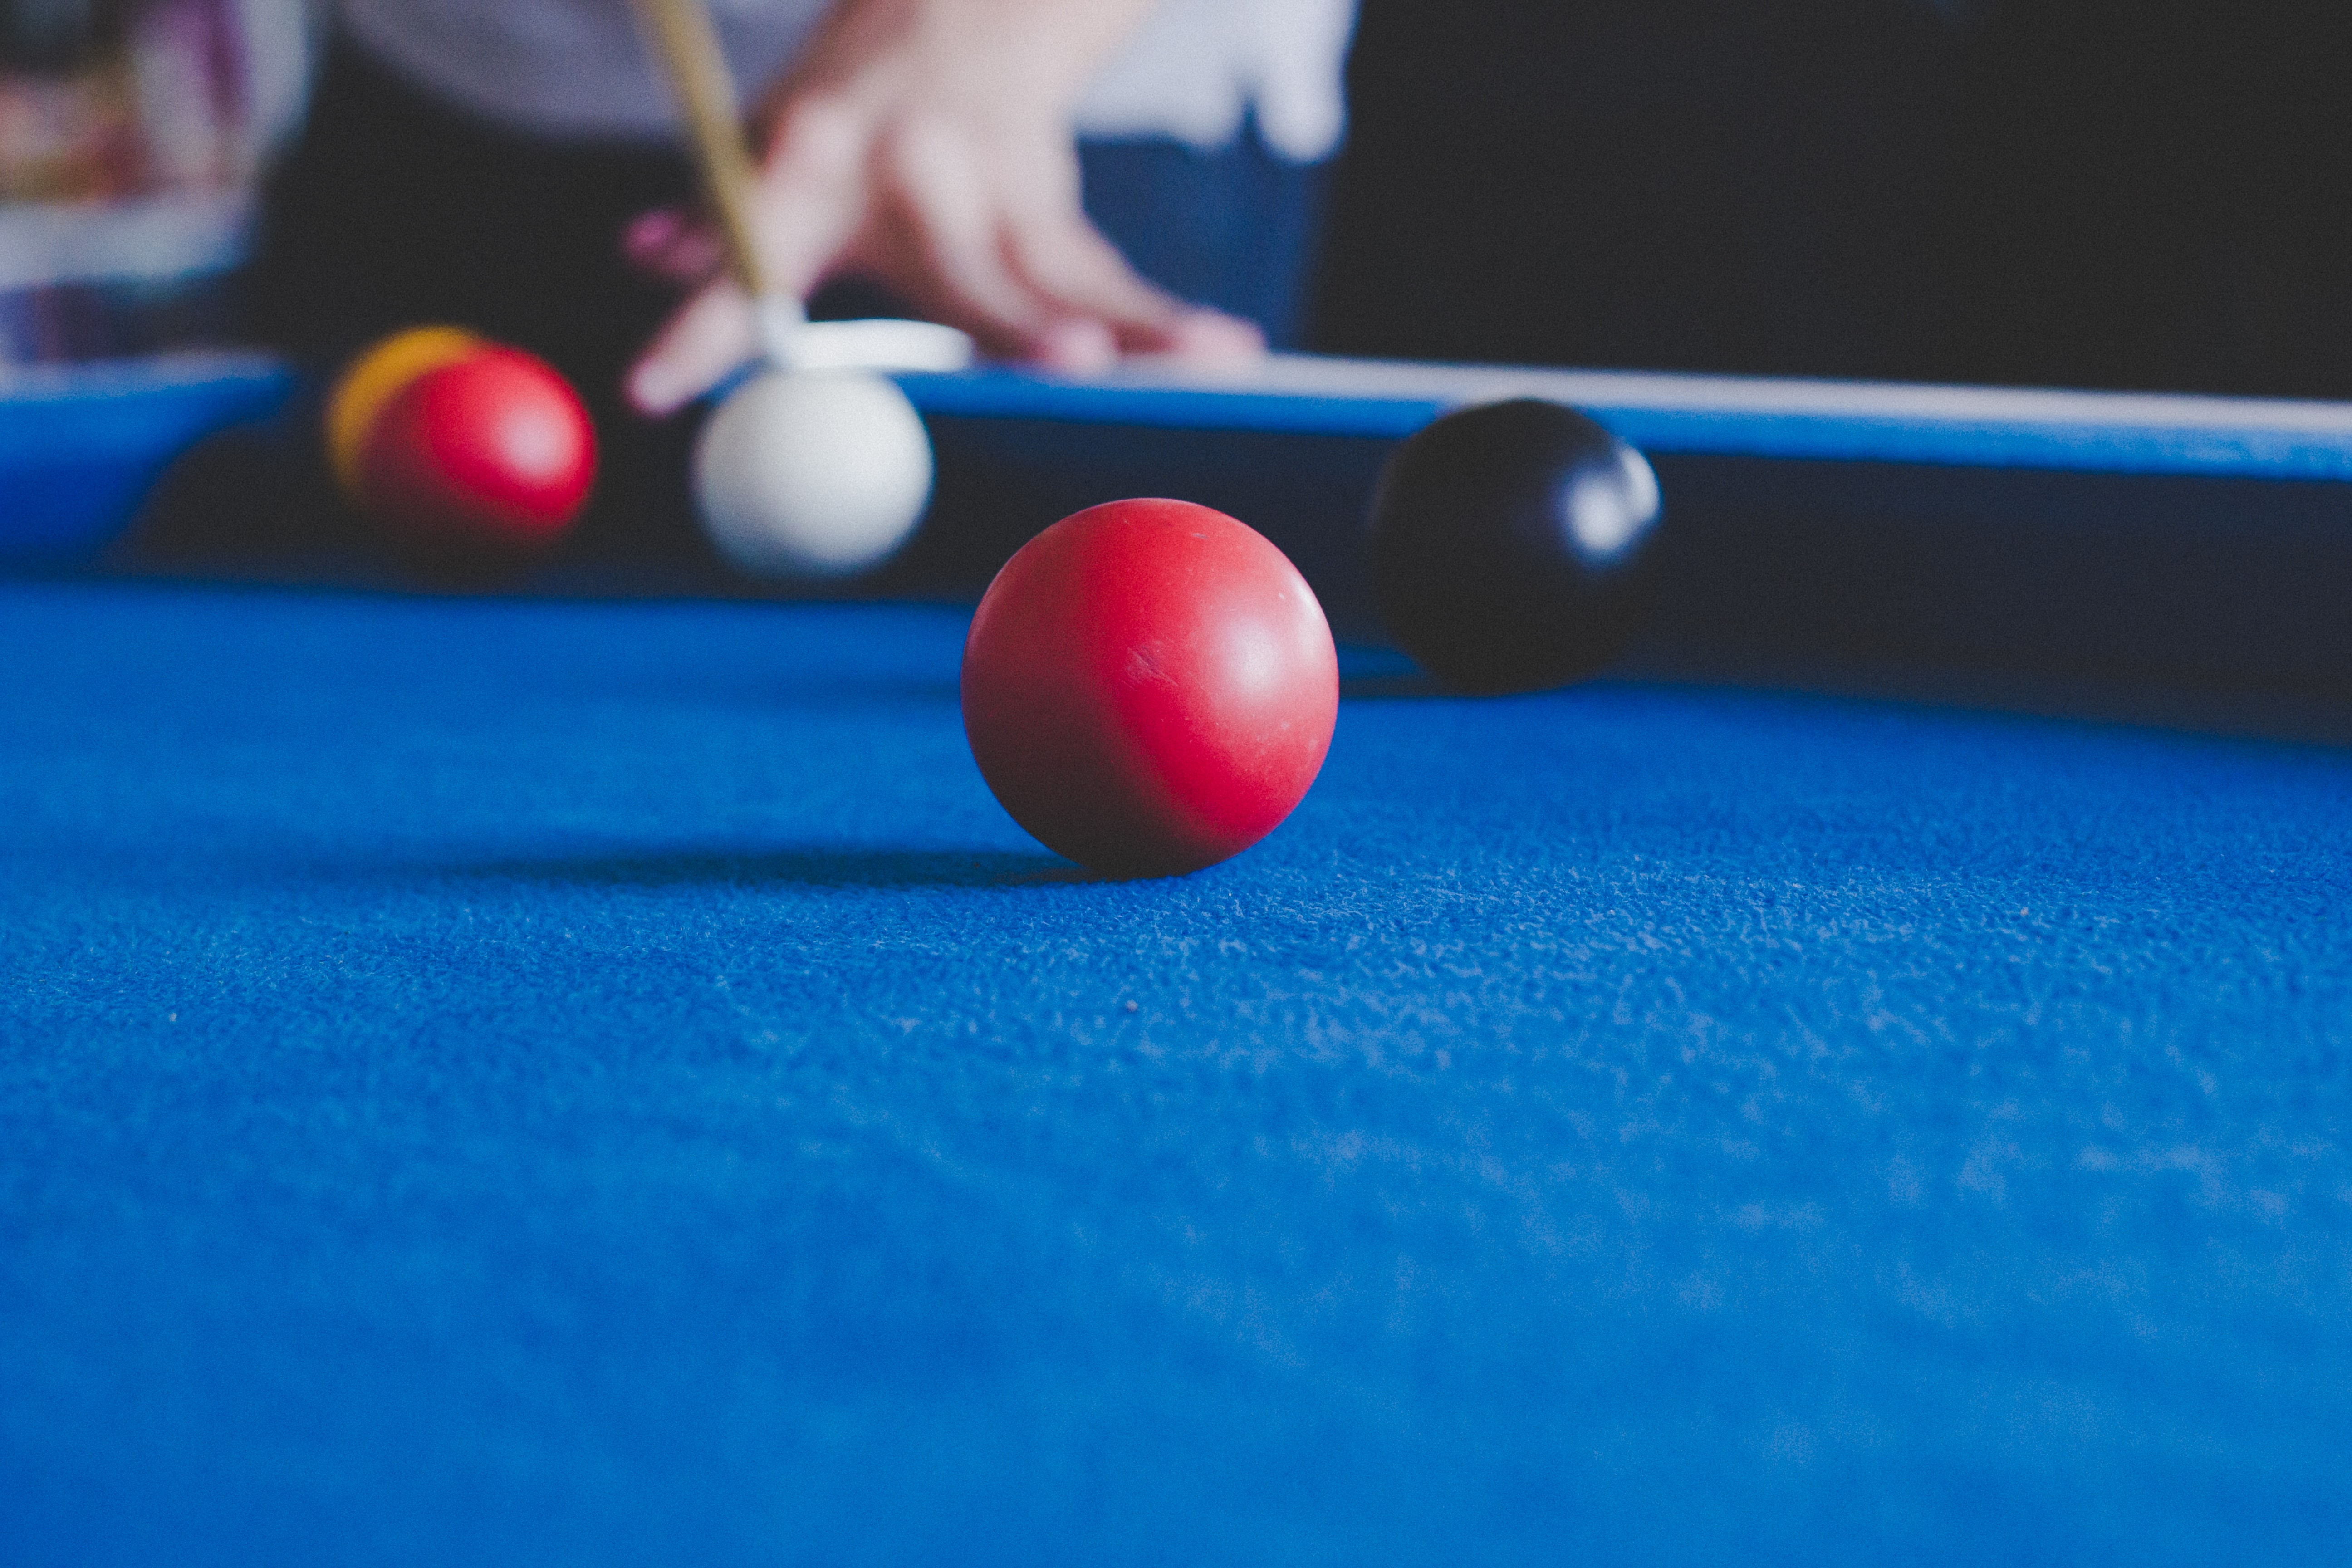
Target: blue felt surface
[560, 1083]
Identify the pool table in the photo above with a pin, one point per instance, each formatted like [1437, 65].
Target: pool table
[581, 1075]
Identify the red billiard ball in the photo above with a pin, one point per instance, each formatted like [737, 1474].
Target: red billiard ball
[488, 456]
[1150, 686]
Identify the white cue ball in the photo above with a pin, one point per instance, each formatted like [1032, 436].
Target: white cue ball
[812, 473]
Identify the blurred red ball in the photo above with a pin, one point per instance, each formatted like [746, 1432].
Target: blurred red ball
[491, 455]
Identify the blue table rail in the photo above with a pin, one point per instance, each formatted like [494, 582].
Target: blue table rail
[1746, 416]
[2100, 536]
[2205, 540]
[82, 445]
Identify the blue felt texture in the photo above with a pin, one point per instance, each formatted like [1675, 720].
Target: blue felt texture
[560, 1083]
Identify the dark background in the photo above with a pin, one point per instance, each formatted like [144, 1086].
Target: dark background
[2131, 193]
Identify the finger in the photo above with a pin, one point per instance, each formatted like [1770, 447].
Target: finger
[1211, 339]
[938, 247]
[959, 285]
[650, 232]
[708, 337]
[813, 196]
[1076, 345]
[1070, 260]
[670, 245]
[1066, 260]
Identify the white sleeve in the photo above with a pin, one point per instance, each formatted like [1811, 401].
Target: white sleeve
[1196, 65]
[578, 67]
[566, 67]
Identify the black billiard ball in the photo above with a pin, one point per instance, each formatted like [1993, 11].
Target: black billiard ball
[1513, 546]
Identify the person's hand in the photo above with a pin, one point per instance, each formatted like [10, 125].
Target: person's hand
[926, 145]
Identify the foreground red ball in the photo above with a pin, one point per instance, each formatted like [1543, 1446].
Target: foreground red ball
[1150, 688]
[490, 455]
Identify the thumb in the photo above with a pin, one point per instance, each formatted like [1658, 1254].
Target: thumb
[701, 343]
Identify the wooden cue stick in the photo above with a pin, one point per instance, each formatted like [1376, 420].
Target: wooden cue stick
[688, 46]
